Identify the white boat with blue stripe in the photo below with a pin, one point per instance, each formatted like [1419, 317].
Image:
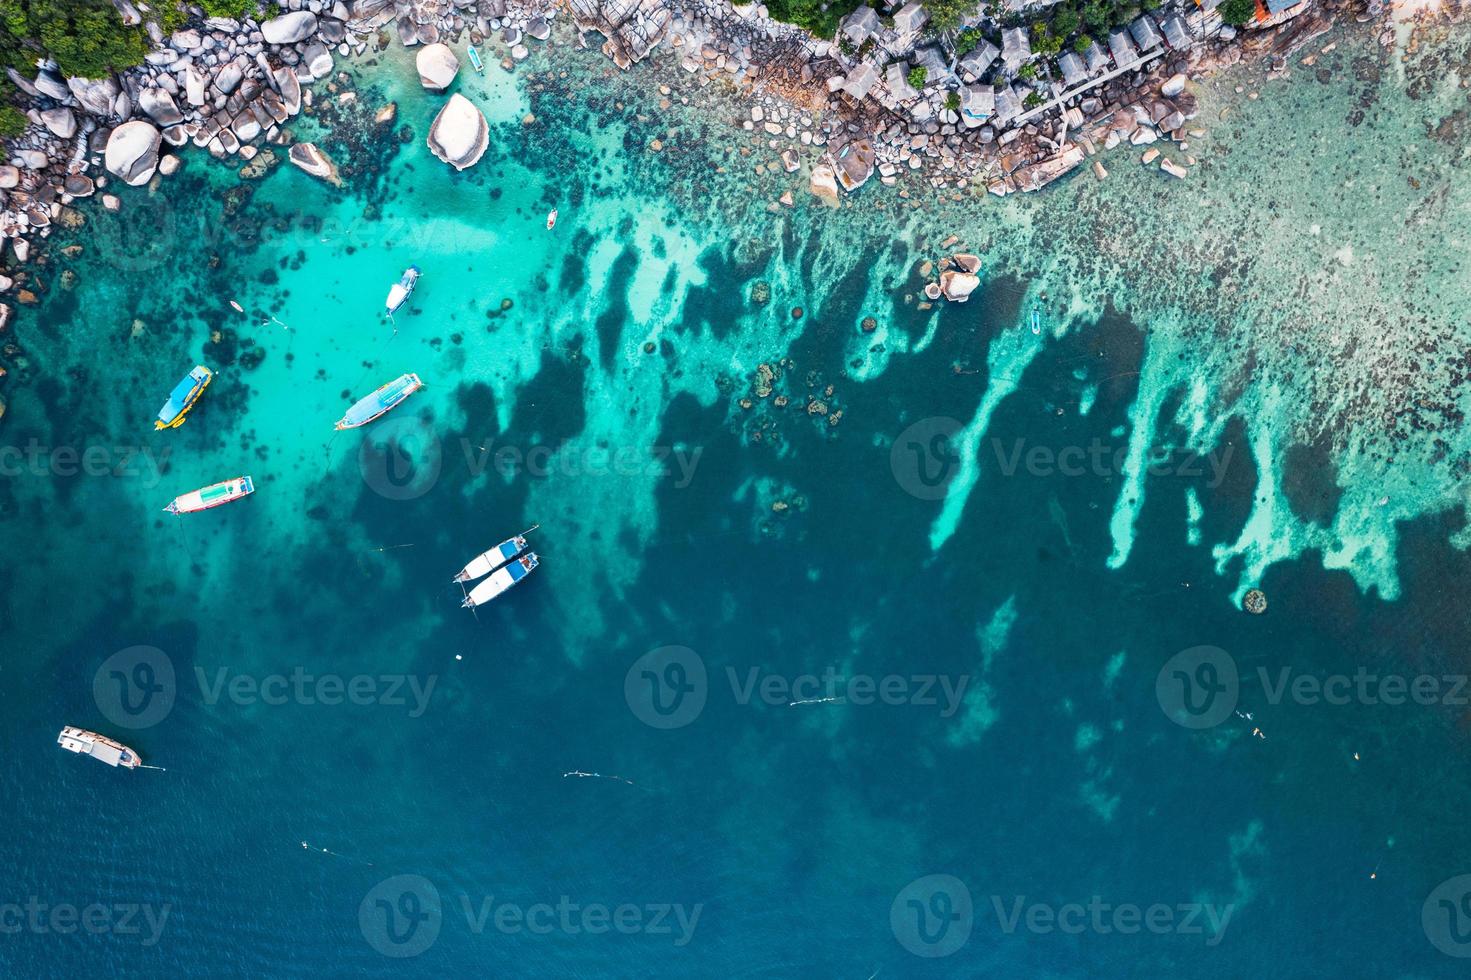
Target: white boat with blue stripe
[488, 561]
[377, 404]
[498, 581]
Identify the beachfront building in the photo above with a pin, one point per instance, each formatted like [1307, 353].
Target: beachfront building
[977, 104]
[910, 18]
[1008, 105]
[1145, 33]
[936, 67]
[1275, 8]
[896, 77]
[1074, 72]
[1096, 58]
[860, 25]
[977, 60]
[1016, 50]
[1124, 52]
[1177, 35]
[861, 80]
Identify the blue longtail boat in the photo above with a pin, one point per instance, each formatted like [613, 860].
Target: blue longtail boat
[183, 397]
[375, 405]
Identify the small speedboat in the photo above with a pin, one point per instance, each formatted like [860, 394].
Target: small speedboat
[214, 495]
[1036, 320]
[374, 406]
[488, 561]
[475, 61]
[500, 580]
[551, 218]
[183, 397]
[399, 292]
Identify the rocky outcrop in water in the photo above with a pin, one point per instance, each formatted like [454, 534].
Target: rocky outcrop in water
[437, 66]
[459, 134]
[132, 151]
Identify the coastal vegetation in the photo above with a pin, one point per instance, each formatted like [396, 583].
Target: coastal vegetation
[1237, 12]
[86, 37]
[814, 15]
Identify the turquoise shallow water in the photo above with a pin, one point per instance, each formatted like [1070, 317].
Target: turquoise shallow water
[1049, 600]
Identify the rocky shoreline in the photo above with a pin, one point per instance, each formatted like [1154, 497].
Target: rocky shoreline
[231, 87]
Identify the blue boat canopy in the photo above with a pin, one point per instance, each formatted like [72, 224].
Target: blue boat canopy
[381, 400]
[180, 397]
[518, 571]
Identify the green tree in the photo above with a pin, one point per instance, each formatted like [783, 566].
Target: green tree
[918, 75]
[1066, 22]
[1027, 72]
[947, 15]
[1237, 12]
[1082, 44]
[1097, 15]
[86, 37]
[807, 14]
[13, 122]
[952, 101]
[1044, 42]
[1032, 100]
[967, 41]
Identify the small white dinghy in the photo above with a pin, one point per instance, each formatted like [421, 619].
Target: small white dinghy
[500, 580]
[488, 561]
[399, 292]
[551, 218]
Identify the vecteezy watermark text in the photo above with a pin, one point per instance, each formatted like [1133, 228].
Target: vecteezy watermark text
[934, 916]
[403, 916]
[403, 458]
[1098, 458]
[137, 688]
[302, 687]
[1201, 687]
[669, 687]
[97, 458]
[128, 919]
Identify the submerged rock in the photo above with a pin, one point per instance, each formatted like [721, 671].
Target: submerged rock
[459, 134]
[132, 151]
[437, 66]
[957, 286]
[311, 159]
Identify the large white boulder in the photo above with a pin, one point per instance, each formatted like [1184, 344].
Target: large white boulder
[957, 286]
[61, 121]
[437, 66]
[459, 134]
[132, 151]
[289, 28]
[160, 106]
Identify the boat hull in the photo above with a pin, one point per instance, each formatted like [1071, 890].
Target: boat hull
[99, 747]
[488, 561]
[214, 495]
[380, 402]
[399, 292]
[500, 580]
[183, 397]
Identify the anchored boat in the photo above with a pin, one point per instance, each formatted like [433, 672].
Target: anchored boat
[488, 561]
[551, 218]
[212, 496]
[500, 580]
[475, 61]
[398, 293]
[381, 401]
[183, 397]
[99, 747]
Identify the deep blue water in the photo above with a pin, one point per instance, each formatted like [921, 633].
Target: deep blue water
[793, 839]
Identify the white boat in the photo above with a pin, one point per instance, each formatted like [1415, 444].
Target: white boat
[500, 580]
[551, 218]
[99, 747]
[214, 495]
[398, 293]
[488, 561]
